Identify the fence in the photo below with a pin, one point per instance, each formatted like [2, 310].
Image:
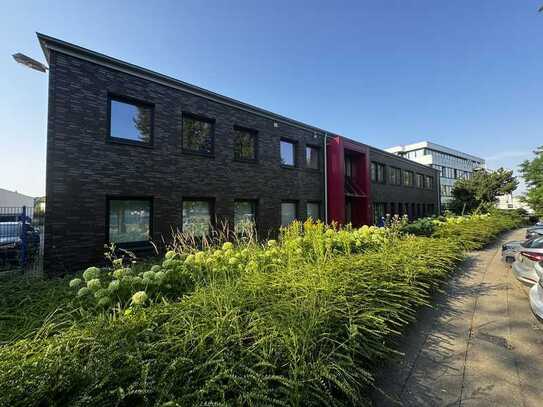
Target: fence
[21, 240]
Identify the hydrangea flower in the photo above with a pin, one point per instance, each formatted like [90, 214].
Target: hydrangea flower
[199, 257]
[272, 243]
[114, 285]
[91, 273]
[76, 282]
[94, 284]
[156, 268]
[149, 275]
[139, 298]
[83, 291]
[102, 292]
[104, 301]
[170, 254]
[228, 246]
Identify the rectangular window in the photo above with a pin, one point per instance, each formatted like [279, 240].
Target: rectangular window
[419, 180]
[408, 178]
[198, 134]
[381, 173]
[314, 210]
[244, 144]
[395, 176]
[288, 153]
[312, 157]
[428, 182]
[349, 166]
[379, 214]
[373, 171]
[197, 216]
[130, 121]
[288, 212]
[129, 220]
[244, 216]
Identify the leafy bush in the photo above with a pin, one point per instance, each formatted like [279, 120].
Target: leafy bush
[420, 227]
[300, 321]
[304, 333]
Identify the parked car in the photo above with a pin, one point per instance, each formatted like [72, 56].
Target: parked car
[524, 265]
[536, 293]
[534, 232]
[11, 242]
[511, 248]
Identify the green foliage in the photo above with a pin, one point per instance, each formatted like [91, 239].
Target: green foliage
[532, 172]
[299, 321]
[27, 304]
[420, 227]
[479, 193]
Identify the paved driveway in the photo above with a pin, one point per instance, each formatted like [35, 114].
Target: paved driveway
[479, 346]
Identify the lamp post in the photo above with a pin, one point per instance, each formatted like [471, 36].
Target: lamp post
[29, 62]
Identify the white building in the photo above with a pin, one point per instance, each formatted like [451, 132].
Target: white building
[452, 164]
[15, 199]
[511, 201]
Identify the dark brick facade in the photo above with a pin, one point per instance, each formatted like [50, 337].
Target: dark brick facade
[83, 168]
[388, 194]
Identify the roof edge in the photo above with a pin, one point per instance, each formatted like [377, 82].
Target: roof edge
[48, 43]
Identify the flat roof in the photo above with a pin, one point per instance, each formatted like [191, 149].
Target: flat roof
[433, 146]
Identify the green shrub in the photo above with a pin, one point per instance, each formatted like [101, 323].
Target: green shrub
[306, 334]
[420, 227]
[299, 321]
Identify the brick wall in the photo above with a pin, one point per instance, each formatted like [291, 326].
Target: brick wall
[83, 168]
[387, 193]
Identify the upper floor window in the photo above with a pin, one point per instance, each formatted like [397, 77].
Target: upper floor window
[244, 144]
[419, 180]
[130, 121]
[428, 182]
[129, 220]
[349, 166]
[312, 157]
[395, 176]
[408, 178]
[288, 153]
[198, 134]
[377, 172]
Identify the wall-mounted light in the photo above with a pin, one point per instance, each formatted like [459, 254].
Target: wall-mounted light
[29, 62]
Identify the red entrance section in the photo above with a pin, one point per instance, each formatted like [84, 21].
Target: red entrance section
[348, 182]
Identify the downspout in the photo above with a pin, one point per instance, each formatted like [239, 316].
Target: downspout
[325, 180]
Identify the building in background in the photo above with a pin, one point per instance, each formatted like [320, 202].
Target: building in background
[451, 164]
[512, 201]
[14, 199]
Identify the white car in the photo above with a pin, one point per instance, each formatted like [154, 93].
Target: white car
[536, 293]
[525, 262]
[511, 248]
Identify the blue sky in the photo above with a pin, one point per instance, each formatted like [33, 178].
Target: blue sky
[466, 74]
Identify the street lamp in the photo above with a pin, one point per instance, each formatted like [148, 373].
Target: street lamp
[29, 62]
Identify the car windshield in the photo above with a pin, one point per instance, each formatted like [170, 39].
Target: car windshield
[537, 243]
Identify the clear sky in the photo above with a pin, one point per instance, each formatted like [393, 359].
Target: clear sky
[467, 74]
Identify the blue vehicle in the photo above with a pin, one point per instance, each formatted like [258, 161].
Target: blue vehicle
[19, 240]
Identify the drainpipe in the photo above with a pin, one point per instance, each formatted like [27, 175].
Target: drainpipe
[325, 180]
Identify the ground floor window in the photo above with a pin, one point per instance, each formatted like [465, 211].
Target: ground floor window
[379, 214]
[348, 211]
[129, 220]
[197, 216]
[244, 216]
[314, 210]
[288, 212]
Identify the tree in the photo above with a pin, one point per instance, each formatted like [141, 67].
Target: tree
[479, 192]
[532, 172]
